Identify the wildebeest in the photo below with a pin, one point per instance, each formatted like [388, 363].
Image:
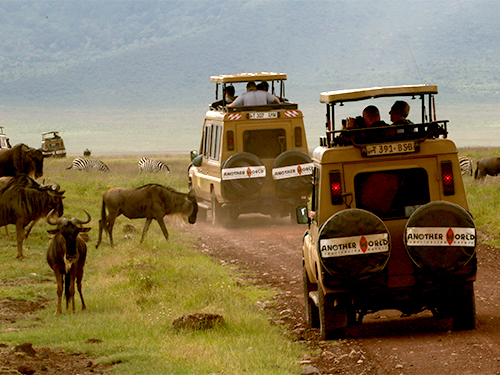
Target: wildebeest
[88, 165]
[465, 165]
[487, 166]
[21, 204]
[21, 159]
[152, 166]
[150, 201]
[86, 152]
[66, 255]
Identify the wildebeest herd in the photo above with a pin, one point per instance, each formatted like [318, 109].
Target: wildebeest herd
[23, 201]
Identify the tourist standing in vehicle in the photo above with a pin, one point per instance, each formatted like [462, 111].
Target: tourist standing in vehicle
[399, 113]
[254, 97]
[371, 119]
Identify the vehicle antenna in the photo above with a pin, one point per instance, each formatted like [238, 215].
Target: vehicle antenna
[414, 61]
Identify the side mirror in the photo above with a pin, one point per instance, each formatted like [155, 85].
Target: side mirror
[302, 215]
[193, 154]
[197, 161]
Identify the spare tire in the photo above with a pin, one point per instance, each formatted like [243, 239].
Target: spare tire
[242, 174]
[354, 245]
[292, 173]
[440, 237]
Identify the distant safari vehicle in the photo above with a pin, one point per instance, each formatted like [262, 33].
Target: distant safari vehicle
[4, 141]
[252, 158]
[53, 145]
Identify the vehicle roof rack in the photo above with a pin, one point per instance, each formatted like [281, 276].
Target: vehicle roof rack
[341, 96]
[248, 77]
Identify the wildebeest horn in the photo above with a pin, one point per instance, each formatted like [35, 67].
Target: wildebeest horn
[49, 218]
[78, 221]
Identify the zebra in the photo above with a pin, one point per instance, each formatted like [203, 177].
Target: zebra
[465, 165]
[87, 165]
[152, 166]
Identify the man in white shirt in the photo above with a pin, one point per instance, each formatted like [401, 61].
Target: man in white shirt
[254, 97]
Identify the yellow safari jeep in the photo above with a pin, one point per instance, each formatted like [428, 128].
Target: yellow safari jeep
[53, 144]
[252, 159]
[389, 226]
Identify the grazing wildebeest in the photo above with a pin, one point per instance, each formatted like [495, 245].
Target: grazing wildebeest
[20, 205]
[150, 201]
[21, 159]
[487, 166]
[66, 256]
[465, 165]
[88, 165]
[152, 166]
[23, 180]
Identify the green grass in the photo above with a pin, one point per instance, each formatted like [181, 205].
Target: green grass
[133, 292]
[484, 195]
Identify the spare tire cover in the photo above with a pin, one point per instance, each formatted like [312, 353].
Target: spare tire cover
[440, 237]
[292, 172]
[354, 245]
[242, 174]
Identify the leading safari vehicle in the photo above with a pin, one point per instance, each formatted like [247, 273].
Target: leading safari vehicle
[252, 159]
[389, 226]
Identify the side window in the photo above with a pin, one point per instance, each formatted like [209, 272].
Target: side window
[215, 141]
[206, 141]
[392, 194]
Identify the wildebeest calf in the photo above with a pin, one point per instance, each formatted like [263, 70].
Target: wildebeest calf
[66, 255]
[150, 201]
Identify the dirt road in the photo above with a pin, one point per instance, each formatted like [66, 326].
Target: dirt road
[385, 343]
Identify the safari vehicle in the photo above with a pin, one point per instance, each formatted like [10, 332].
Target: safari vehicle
[4, 141]
[252, 159]
[53, 145]
[389, 227]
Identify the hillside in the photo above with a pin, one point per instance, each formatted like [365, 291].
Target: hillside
[122, 75]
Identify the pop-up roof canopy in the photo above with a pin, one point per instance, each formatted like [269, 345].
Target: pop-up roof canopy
[248, 77]
[375, 92]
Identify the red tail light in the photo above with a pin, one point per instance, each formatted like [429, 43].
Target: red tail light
[298, 137]
[230, 140]
[447, 176]
[335, 187]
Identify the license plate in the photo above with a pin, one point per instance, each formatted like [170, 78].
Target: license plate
[390, 148]
[261, 115]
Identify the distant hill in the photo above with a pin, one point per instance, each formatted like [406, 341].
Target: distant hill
[134, 75]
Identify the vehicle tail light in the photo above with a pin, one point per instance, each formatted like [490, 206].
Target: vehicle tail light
[447, 176]
[230, 140]
[298, 137]
[335, 187]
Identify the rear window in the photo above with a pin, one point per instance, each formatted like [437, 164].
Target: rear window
[392, 194]
[266, 143]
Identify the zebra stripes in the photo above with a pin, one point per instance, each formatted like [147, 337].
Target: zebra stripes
[465, 165]
[87, 165]
[152, 166]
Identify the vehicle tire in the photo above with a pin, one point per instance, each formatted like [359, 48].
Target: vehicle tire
[444, 258]
[241, 187]
[354, 245]
[464, 309]
[332, 319]
[312, 312]
[296, 184]
[218, 214]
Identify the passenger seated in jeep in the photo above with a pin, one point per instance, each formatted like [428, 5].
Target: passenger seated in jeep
[228, 98]
[399, 113]
[254, 97]
[371, 119]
